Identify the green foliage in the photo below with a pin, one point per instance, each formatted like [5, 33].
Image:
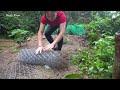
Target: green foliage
[104, 25]
[20, 36]
[80, 20]
[72, 76]
[97, 62]
[105, 48]
[10, 20]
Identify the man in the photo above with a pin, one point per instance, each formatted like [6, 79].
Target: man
[54, 19]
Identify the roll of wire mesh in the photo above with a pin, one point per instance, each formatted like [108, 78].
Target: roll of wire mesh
[51, 58]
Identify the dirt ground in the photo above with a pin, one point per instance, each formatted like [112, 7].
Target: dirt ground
[10, 68]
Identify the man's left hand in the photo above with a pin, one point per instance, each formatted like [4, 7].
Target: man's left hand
[49, 47]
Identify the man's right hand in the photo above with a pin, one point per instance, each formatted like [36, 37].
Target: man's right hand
[39, 49]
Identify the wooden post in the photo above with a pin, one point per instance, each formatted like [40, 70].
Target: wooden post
[116, 68]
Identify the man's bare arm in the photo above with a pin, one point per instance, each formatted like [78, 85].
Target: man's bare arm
[40, 34]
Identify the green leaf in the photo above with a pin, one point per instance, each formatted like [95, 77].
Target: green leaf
[101, 69]
[91, 68]
[73, 76]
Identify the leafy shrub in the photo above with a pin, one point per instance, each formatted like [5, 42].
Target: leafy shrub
[105, 26]
[20, 36]
[10, 20]
[97, 62]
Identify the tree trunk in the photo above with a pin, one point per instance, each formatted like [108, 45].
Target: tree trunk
[116, 68]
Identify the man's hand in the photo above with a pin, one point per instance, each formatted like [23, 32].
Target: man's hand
[39, 49]
[49, 47]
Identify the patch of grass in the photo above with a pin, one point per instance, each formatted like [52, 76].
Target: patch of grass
[15, 50]
[65, 41]
[2, 47]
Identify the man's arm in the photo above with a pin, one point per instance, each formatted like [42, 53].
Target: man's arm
[62, 30]
[40, 34]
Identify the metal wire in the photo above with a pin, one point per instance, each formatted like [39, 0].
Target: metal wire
[51, 58]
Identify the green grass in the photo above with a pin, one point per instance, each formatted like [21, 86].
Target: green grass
[15, 50]
[65, 40]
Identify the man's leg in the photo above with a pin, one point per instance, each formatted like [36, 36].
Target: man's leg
[48, 33]
[60, 43]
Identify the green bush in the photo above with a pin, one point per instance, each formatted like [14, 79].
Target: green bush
[20, 36]
[96, 63]
[10, 20]
[105, 26]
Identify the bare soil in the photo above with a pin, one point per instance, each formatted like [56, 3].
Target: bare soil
[10, 68]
